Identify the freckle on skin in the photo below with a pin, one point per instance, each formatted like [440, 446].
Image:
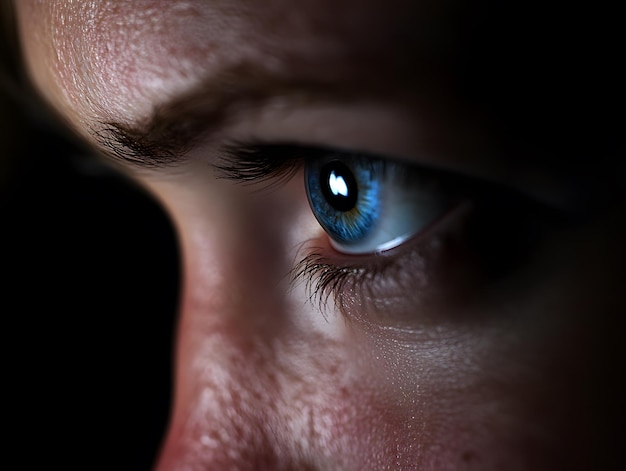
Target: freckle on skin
[470, 456]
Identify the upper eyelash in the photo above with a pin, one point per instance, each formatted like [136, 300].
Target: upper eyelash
[250, 163]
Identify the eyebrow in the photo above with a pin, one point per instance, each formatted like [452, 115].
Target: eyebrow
[173, 128]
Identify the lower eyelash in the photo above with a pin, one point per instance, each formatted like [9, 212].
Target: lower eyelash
[343, 284]
[323, 279]
[391, 286]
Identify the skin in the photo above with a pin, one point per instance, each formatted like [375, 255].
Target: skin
[438, 366]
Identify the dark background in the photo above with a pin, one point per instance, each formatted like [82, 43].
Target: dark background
[89, 292]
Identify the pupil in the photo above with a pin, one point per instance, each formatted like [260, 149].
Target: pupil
[339, 186]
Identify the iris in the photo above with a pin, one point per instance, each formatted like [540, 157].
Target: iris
[367, 204]
[344, 197]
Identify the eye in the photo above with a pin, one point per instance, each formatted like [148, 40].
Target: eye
[367, 204]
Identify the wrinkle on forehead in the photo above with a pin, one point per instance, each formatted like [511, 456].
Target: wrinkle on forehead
[115, 58]
[108, 60]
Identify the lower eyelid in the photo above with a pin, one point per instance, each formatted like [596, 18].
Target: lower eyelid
[373, 288]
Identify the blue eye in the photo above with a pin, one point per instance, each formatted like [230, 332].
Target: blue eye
[369, 205]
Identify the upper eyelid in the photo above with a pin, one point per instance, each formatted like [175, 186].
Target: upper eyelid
[274, 164]
[258, 161]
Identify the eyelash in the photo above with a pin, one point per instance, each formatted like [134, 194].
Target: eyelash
[324, 276]
[253, 163]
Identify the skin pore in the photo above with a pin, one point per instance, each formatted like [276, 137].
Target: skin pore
[484, 342]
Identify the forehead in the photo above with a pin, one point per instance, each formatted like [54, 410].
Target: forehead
[109, 59]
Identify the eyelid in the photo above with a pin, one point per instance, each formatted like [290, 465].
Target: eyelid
[275, 163]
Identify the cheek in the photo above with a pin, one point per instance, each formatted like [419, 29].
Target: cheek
[487, 397]
[280, 396]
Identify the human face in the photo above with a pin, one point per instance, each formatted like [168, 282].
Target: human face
[485, 340]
